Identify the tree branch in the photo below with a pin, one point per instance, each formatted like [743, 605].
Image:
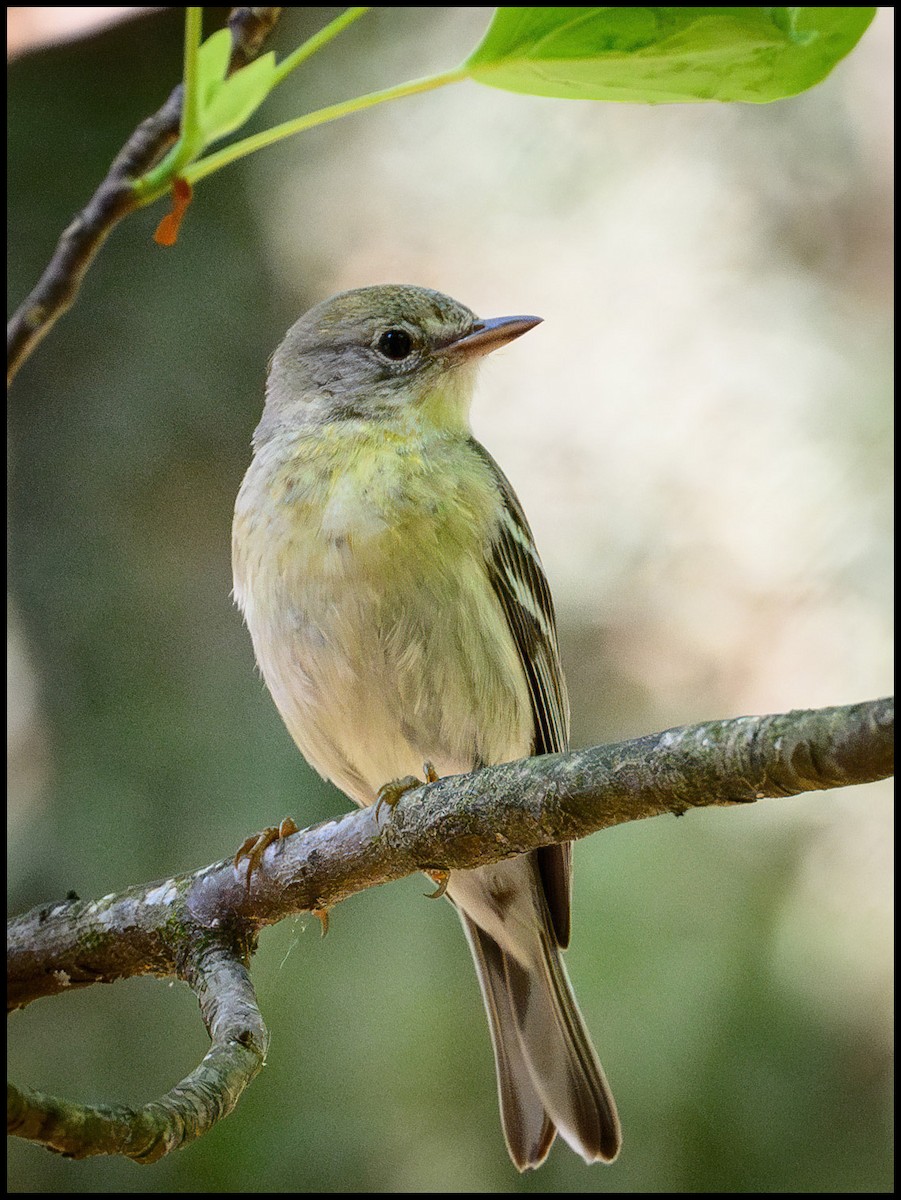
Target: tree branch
[218, 975]
[202, 927]
[56, 290]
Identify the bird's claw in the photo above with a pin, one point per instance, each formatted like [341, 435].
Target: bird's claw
[254, 847]
[391, 793]
[442, 878]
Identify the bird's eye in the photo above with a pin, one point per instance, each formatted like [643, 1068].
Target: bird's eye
[395, 344]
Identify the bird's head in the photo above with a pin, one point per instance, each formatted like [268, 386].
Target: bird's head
[390, 353]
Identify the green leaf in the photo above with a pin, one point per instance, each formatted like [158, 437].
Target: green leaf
[212, 63]
[658, 55]
[233, 100]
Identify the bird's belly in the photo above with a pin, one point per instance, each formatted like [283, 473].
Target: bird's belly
[375, 673]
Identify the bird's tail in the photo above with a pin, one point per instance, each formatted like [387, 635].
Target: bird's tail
[548, 1075]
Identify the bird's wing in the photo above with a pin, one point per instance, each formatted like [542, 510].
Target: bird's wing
[521, 587]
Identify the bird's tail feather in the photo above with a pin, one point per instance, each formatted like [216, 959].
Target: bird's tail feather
[548, 1074]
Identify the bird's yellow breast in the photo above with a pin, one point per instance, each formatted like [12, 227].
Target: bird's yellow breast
[372, 505]
[361, 568]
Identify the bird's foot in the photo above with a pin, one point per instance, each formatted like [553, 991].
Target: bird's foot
[390, 793]
[253, 848]
[442, 878]
[321, 915]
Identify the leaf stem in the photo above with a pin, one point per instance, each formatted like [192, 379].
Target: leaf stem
[190, 141]
[191, 102]
[215, 162]
[316, 42]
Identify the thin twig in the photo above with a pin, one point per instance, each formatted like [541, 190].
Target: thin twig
[218, 975]
[56, 290]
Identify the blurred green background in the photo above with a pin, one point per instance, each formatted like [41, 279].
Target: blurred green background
[700, 434]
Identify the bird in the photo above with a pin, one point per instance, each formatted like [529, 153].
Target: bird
[400, 616]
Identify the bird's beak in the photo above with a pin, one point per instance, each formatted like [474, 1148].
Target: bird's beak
[486, 336]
